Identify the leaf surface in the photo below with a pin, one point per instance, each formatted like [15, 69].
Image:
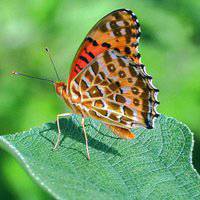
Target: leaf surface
[155, 165]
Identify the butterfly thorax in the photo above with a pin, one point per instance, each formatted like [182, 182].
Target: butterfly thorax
[62, 91]
[60, 88]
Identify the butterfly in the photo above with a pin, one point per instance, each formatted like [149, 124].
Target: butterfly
[107, 81]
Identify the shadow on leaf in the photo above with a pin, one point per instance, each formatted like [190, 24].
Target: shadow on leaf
[71, 129]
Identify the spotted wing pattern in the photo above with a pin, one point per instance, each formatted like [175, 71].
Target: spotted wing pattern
[116, 90]
[118, 30]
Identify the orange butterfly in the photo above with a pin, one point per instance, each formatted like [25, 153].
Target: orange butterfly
[107, 81]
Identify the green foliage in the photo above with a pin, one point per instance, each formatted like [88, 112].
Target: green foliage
[155, 165]
[169, 45]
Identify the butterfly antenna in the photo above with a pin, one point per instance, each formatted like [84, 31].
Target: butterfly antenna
[52, 62]
[28, 76]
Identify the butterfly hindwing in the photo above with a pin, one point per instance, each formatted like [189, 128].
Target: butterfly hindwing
[116, 90]
[118, 30]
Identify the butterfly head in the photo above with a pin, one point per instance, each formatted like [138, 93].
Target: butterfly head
[60, 88]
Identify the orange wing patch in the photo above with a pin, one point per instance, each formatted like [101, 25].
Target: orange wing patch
[118, 30]
[122, 132]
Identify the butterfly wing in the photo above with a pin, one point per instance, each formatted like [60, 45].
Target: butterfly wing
[116, 90]
[118, 30]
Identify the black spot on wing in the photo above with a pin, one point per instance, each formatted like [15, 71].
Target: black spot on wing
[89, 53]
[107, 57]
[83, 58]
[105, 44]
[127, 50]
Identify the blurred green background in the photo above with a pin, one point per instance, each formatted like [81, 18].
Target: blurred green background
[170, 48]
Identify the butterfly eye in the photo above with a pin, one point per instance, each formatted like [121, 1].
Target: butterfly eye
[60, 88]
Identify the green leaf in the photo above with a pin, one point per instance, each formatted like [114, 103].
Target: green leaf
[155, 165]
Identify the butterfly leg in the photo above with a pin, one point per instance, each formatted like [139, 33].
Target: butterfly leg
[85, 135]
[58, 126]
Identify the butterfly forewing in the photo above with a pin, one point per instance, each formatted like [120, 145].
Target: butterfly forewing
[115, 90]
[118, 30]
